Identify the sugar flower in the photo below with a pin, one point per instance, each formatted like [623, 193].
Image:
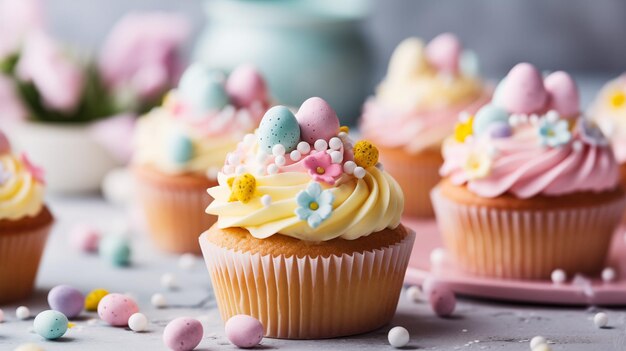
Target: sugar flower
[321, 168]
[617, 99]
[553, 133]
[478, 165]
[314, 205]
[463, 129]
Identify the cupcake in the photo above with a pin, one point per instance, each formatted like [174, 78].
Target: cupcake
[415, 109]
[609, 112]
[529, 185]
[24, 223]
[181, 146]
[308, 237]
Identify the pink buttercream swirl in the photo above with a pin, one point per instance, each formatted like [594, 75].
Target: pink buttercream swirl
[414, 130]
[521, 166]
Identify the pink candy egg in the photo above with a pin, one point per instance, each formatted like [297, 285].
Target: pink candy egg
[442, 300]
[244, 331]
[317, 120]
[183, 334]
[524, 91]
[444, 52]
[116, 309]
[245, 85]
[85, 238]
[563, 94]
[5, 146]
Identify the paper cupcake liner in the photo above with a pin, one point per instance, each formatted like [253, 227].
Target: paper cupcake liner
[310, 297]
[527, 244]
[20, 254]
[175, 216]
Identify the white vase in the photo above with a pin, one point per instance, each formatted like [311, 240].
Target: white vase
[72, 159]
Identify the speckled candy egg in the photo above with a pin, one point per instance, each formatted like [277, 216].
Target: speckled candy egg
[523, 90]
[278, 126]
[85, 238]
[203, 89]
[116, 309]
[183, 334]
[563, 94]
[93, 299]
[67, 300]
[244, 331]
[317, 120]
[245, 85]
[365, 154]
[116, 250]
[487, 116]
[442, 300]
[50, 324]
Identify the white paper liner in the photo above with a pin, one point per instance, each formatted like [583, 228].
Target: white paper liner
[309, 297]
[527, 244]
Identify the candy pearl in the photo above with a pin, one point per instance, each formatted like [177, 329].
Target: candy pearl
[359, 172]
[241, 169]
[552, 116]
[85, 238]
[444, 52]
[245, 85]
[93, 298]
[317, 120]
[577, 145]
[295, 155]
[563, 93]
[116, 309]
[558, 276]
[600, 320]
[349, 167]
[180, 148]
[233, 158]
[523, 90]
[272, 169]
[29, 347]
[398, 337]
[266, 200]
[413, 293]
[244, 331]
[261, 156]
[542, 347]
[116, 250]
[336, 156]
[22, 313]
[280, 160]
[183, 334]
[278, 150]
[536, 341]
[1, 315]
[335, 143]
[187, 261]
[158, 300]
[168, 281]
[320, 145]
[50, 324]
[67, 300]
[304, 147]
[249, 139]
[138, 322]
[608, 275]
[442, 300]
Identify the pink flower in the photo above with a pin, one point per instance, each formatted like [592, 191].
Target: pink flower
[58, 79]
[17, 20]
[321, 168]
[141, 56]
[12, 107]
[35, 171]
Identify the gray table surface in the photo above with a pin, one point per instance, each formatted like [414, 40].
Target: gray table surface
[477, 325]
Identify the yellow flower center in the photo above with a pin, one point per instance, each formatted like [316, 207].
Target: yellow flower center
[314, 205]
[618, 99]
[463, 129]
[320, 170]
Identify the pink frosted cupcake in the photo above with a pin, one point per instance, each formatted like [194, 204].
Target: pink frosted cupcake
[415, 109]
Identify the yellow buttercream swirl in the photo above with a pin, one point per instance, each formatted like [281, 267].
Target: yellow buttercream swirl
[21, 195]
[361, 206]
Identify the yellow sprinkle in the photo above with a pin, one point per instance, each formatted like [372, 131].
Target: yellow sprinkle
[93, 299]
[243, 188]
[365, 154]
[320, 170]
[618, 99]
[463, 129]
[70, 325]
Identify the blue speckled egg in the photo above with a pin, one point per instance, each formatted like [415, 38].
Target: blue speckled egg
[279, 126]
[179, 148]
[203, 89]
[50, 324]
[116, 250]
[488, 115]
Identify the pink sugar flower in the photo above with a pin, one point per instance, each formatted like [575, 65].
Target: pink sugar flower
[35, 171]
[18, 18]
[321, 168]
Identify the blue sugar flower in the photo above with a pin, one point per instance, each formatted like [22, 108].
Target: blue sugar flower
[314, 205]
[554, 133]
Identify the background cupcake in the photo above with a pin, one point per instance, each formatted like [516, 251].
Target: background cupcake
[24, 223]
[416, 107]
[529, 185]
[181, 146]
[308, 238]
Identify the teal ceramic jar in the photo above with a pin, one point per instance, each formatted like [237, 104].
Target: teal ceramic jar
[303, 47]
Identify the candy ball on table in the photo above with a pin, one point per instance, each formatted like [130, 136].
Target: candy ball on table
[398, 337]
[116, 309]
[29, 347]
[138, 322]
[244, 331]
[183, 334]
[93, 299]
[116, 250]
[441, 298]
[67, 300]
[317, 120]
[245, 85]
[85, 238]
[50, 324]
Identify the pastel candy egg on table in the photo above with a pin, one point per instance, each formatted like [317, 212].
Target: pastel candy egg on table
[523, 90]
[444, 52]
[317, 120]
[85, 238]
[93, 299]
[183, 334]
[442, 300]
[116, 250]
[278, 126]
[245, 85]
[487, 116]
[67, 300]
[244, 331]
[203, 89]
[50, 324]
[116, 309]
[563, 94]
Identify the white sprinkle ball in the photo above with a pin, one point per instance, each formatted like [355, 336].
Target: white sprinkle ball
[261, 156]
[158, 300]
[413, 293]
[335, 143]
[336, 156]
[359, 172]
[600, 320]
[303, 148]
[398, 337]
[229, 169]
[266, 200]
[241, 169]
[608, 275]
[187, 261]
[542, 347]
[437, 256]
[278, 150]
[233, 159]
[342, 135]
[280, 160]
[168, 281]
[552, 116]
[349, 167]
[272, 169]
[558, 276]
[514, 120]
[248, 139]
[536, 341]
[22, 313]
[577, 145]
[295, 155]
[320, 145]
[138, 322]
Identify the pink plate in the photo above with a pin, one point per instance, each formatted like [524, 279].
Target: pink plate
[578, 290]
